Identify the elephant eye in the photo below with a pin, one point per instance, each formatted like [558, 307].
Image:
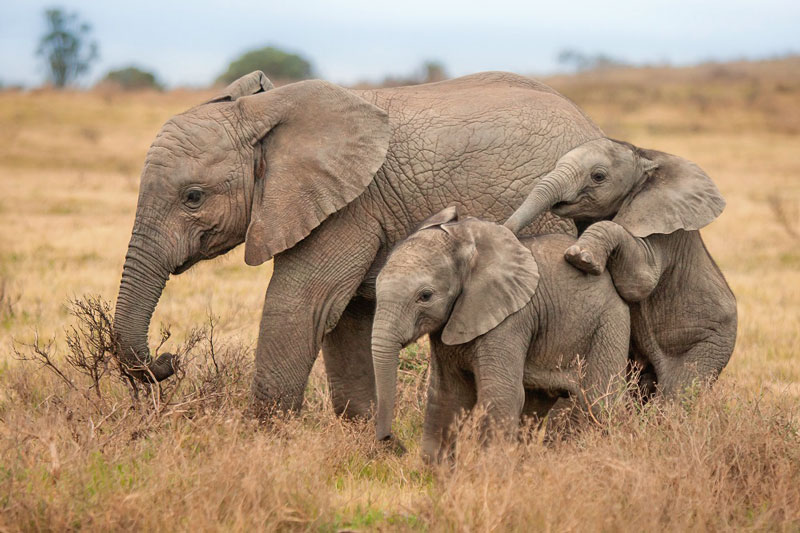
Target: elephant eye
[193, 198]
[598, 176]
[425, 296]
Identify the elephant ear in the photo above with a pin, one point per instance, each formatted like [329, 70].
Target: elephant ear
[502, 276]
[249, 84]
[448, 214]
[677, 194]
[320, 147]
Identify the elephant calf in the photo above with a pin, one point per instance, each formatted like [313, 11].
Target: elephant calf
[645, 209]
[496, 331]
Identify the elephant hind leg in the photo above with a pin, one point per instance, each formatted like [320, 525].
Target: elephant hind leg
[606, 363]
[348, 361]
[701, 358]
[700, 365]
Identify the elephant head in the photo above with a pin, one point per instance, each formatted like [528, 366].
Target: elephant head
[461, 277]
[257, 165]
[645, 191]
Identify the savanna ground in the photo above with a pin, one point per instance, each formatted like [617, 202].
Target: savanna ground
[78, 451]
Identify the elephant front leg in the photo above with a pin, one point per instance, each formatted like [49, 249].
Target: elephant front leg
[634, 263]
[348, 361]
[450, 394]
[311, 285]
[499, 362]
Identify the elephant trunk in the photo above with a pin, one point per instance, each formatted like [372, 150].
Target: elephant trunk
[556, 186]
[143, 280]
[386, 348]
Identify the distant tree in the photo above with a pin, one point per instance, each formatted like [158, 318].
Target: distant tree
[132, 78]
[66, 47]
[433, 71]
[582, 62]
[428, 72]
[274, 62]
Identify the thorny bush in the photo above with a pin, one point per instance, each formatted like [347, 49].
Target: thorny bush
[205, 379]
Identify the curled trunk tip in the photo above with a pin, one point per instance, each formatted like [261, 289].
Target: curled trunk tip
[548, 191]
[140, 289]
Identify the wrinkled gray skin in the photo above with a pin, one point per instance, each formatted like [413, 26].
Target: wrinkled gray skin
[506, 320]
[646, 208]
[325, 180]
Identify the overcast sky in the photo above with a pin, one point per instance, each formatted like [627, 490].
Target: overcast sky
[190, 43]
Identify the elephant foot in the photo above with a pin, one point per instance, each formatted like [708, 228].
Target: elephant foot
[393, 445]
[584, 260]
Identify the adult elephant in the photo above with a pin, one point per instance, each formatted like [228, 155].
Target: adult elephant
[326, 180]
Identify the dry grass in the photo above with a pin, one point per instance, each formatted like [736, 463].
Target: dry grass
[83, 450]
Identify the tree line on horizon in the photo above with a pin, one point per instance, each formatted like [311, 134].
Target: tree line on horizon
[68, 51]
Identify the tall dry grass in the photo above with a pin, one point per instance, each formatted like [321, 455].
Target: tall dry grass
[84, 449]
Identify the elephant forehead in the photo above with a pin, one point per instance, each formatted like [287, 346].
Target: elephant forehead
[194, 137]
[183, 152]
[427, 247]
[593, 148]
[413, 263]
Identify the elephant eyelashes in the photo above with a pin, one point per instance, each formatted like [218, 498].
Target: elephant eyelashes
[425, 296]
[193, 198]
[598, 177]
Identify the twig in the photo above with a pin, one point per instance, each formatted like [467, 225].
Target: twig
[783, 216]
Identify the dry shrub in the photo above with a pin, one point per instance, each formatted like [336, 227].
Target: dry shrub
[91, 368]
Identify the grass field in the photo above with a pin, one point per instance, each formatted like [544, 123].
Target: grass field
[190, 458]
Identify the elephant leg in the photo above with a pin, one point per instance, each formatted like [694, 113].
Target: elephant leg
[450, 393]
[701, 364]
[687, 334]
[503, 397]
[606, 363]
[643, 376]
[499, 363]
[311, 285]
[537, 404]
[635, 264]
[348, 360]
[545, 389]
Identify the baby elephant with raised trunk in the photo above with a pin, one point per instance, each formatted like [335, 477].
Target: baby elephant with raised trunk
[512, 325]
[645, 208]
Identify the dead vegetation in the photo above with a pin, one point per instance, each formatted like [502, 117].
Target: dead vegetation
[786, 214]
[83, 447]
[8, 300]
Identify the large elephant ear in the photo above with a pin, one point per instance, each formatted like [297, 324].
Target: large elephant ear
[448, 214]
[320, 147]
[501, 279]
[249, 84]
[677, 194]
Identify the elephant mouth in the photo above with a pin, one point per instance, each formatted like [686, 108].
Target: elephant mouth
[183, 267]
[562, 205]
[189, 263]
